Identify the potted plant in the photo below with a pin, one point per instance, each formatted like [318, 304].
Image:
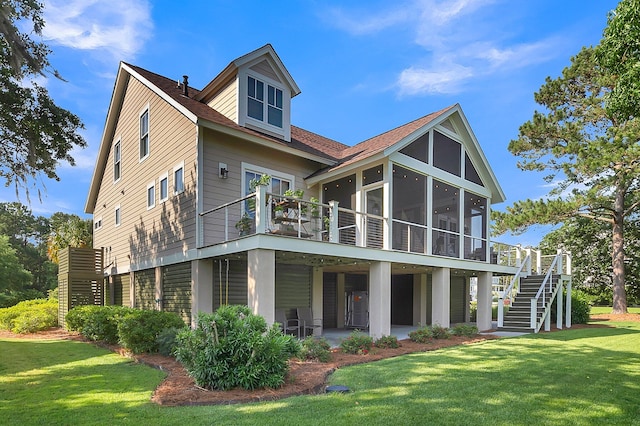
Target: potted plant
[244, 225]
[315, 208]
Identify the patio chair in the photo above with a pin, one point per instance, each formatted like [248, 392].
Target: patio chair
[288, 325]
[309, 323]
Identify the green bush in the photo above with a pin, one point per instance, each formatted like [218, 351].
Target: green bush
[357, 343]
[138, 330]
[97, 323]
[421, 335]
[580, 308]
[167, 341]
[386, 342]
[464, 330]
[234, 348]
[314, 348]
[30, 316]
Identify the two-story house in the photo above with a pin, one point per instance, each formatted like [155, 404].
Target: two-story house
[389, 231]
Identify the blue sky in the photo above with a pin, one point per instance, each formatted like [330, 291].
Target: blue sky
[364, 67]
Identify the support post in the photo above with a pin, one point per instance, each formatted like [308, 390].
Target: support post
[441, 297]
[484, 297]
[261, 283]
[201, 288]
[380, 299]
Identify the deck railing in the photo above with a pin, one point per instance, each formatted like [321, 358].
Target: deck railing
[267, 213]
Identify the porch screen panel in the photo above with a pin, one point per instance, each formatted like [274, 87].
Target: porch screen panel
[293, 288]
[445, 219]
[145, 288]
[447, 154]
[409, 232]
[176, 290]
[231, 288]
[458, 300]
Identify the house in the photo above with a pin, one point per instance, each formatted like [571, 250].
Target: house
[197, 201]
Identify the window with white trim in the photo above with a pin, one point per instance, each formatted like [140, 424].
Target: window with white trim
[164, 187]
[144, 134]
[97, 223]
[258, 109]
[178, 179]
[117, 158]
[117, 215]
[151, 195]
[280, 182]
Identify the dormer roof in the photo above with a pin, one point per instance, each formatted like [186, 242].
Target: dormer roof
[264, 53]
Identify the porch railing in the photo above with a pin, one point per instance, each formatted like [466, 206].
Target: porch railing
[267, 213]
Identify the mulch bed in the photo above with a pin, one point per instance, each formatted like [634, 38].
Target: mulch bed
[304, 377]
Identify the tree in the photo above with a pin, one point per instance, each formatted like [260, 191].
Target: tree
[12, 275]
[590, 246]
[619, 54]
[592, 155]
[35, 133]
[68, 230]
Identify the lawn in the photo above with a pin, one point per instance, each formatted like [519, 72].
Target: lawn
[576, 376]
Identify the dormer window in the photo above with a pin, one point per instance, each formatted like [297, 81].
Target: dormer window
[256, 106]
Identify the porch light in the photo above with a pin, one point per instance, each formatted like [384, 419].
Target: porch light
[224, 171]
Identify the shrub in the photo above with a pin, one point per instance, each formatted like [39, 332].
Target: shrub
[234, 348]
[421, 335]
[464, 330]
[97, 323]
[440, 332]
[30, 316]
[386, 342]
[167, 340]
[138, 330]
[580, 308]
[314, 348]
[357, 343]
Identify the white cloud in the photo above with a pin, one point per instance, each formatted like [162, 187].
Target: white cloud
[120, 27]
[461, 41]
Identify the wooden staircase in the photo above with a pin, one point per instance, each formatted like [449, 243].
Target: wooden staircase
[518, 318]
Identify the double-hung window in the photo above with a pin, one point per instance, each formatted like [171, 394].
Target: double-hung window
[116, 161]
[164, 187]
[144, 134]
[117, 217]
[178, 178]
[256, 106]
[151, 195]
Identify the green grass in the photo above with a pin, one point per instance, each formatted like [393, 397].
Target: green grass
[572, 377]
[595, 310]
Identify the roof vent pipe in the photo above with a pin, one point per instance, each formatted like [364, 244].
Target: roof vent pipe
[185, 85]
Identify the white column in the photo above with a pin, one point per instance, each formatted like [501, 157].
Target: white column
[559, 304]
[201, 288]
[483, 314]
[316, 293]
[158, 289]
[441, 302]
[420, 299]
[380, 299]
[261, 283]
[341, 302]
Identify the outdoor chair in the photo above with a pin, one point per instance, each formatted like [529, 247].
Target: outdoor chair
[309, 323]
[288, 325]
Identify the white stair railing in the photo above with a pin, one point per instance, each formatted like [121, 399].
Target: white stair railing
[524, 270]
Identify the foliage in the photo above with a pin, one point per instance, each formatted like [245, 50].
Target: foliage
[10, 297]
[167, 341]
[387, 342]
[580, 308]
[314, 348]
[234, 348]
[440, 332]
[591, 257]
[12, 275]
[590, 155]
[30, 316]
[35, 133]
[421, 335]
[98, 323]
[357, 343]
[619, 54]
[138, 330]
[68, 231]
[466, 330]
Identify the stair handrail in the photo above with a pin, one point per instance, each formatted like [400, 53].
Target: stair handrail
[526, 263]
[542, 292]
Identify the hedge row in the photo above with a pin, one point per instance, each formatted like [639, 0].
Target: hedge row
[134, 329]
[30, 316]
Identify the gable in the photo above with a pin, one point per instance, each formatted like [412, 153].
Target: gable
[263, 68]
